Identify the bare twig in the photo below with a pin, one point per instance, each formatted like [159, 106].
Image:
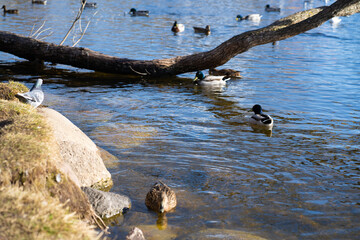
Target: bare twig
[51, 33]
[82, 34]
[38, 32]
[42, 32]
[140, 73]
[73, 24]
[33, 34]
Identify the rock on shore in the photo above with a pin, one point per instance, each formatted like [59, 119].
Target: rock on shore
[81, 159]
[107, 204]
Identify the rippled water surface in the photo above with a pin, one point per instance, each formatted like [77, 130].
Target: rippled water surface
[299, 182]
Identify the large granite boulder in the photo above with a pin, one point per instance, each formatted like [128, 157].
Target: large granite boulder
[80, 157]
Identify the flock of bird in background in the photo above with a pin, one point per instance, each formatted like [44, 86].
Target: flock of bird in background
[215, 78]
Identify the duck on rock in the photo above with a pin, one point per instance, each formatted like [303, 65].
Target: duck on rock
[35, 96]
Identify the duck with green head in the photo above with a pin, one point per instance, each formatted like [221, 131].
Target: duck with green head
[259, 120]
[252, 17]
[201, 79]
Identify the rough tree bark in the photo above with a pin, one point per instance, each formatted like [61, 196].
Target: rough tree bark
[292, 25]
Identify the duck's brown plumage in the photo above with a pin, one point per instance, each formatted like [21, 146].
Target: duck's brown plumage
[205, 30]
[160, 198]
[225, 72]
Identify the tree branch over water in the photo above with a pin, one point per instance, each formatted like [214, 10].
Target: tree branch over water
[284, 28]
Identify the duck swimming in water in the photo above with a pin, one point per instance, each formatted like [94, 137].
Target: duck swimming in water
[272, 9]
[205, 30]
[133, 12]
[160, 198]
[201, 79]
[225, 72]
[260, 120]
[89, 4]
[178, 27]
[10, 11]
[43, 2]
[252, 17]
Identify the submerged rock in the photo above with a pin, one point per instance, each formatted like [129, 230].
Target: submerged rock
[135, 234]
[215, 234]
[107, 204]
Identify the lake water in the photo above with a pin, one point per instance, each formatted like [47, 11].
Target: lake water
[300, 182]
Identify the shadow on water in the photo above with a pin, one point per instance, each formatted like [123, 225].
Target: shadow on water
[78, 77]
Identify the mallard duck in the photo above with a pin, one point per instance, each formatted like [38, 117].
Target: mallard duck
[134, 12]
[201, 79]
[43, 2]
[178, 27]
[205, 30]
[225, 72]
[252, 17]
[11, 11]
[272, 9]
[160, 198]
[35, 96]
[260, 120]
[89, 4]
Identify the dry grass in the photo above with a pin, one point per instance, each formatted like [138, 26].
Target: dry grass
[32, 201]
[27, 214]
[8, 90]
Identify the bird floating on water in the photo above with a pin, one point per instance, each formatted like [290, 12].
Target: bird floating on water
[201, 79]
[205, 30]
[35, 96]
[272, 9]
[160, 198]
[178, 27]
[255, 17]
[260, 120]
[43, 2]
[10, 11]
[89, 4]
[225, 72]
[133, 12]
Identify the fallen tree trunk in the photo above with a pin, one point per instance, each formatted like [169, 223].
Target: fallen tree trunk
[292, 25]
